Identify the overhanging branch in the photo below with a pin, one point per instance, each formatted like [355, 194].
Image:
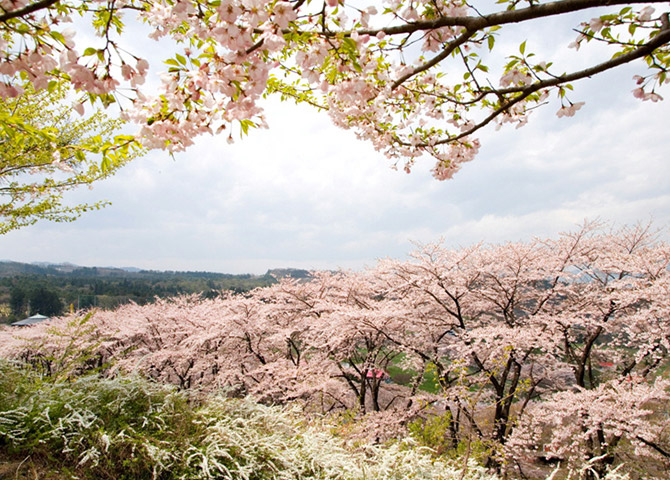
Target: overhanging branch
[27, 10]
[504, 17]
[659, 40]
[464, 37]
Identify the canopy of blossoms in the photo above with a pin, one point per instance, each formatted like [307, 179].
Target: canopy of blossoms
[413, 77]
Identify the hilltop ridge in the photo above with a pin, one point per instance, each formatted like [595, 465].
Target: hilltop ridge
[54, 288]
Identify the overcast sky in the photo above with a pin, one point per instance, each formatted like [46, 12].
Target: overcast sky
[305, 194]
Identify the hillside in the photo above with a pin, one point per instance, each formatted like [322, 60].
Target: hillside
[53, 289]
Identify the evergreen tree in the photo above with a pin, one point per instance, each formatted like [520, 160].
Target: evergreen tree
[46, 302]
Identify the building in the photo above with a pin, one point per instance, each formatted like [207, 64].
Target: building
[37, 318]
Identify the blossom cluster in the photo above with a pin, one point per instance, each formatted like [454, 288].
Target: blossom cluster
[411, 77]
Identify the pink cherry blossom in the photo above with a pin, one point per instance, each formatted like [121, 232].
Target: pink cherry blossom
[645, 14]
[569, 111]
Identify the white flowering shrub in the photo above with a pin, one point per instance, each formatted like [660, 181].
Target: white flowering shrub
[92, 423]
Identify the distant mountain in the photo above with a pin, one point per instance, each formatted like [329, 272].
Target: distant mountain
[131, 269]
[49, 264]
[10, 268]
[289, 272]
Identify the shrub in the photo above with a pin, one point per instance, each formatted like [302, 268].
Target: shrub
[117, 428]
[130, 428]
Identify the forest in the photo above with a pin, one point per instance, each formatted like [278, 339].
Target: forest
[52, 290]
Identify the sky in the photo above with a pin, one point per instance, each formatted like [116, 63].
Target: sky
[305, 194]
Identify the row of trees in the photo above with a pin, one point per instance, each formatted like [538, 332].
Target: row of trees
[38, 299]
[552, 348]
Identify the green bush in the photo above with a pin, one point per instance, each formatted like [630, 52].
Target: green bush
[433, 432]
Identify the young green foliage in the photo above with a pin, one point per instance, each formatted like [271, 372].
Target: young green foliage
[45, 151]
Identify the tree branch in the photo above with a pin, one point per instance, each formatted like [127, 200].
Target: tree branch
[42, 4]
[451, 46]
[501, 18]
[662, 38]
[654, 446]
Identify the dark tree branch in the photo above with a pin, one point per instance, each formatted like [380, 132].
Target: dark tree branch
[504, 17]
[451, 46]
[659, 40]
[22, 12]
[655, 446]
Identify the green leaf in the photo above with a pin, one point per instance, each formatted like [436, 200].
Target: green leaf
[58, 36]
[23, 29]
[349, 45]
[245, 125]
[513, 63]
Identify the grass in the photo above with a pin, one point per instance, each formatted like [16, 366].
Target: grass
[403, 376]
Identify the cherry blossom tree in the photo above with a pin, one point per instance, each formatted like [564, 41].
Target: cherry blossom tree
[413, 77]
[315, 341]
[512, 329]
[591, 429]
